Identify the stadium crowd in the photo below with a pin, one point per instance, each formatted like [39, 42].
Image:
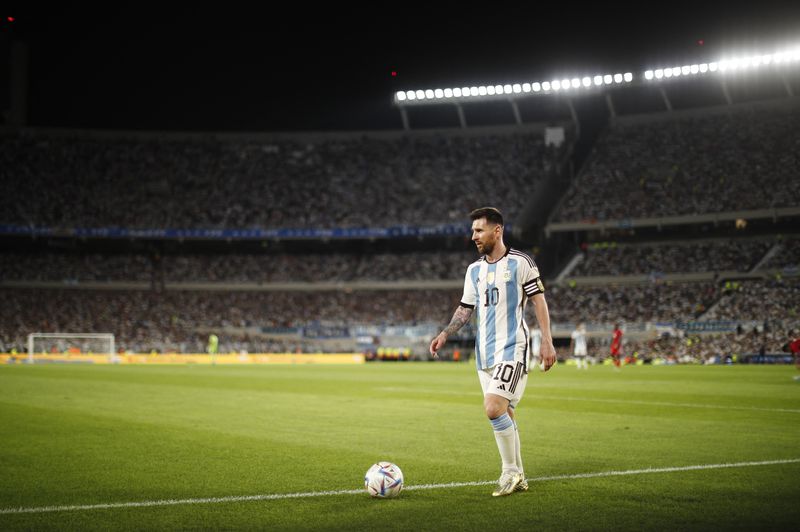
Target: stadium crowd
[250, 268]
[211, 184]
[743, 159]
[144, 320]
[684, 257]
[788, 256]
[631, 303]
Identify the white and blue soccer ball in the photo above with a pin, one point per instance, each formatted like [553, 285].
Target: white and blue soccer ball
[384, 480]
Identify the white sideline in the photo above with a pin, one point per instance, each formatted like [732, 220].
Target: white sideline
[280, 496]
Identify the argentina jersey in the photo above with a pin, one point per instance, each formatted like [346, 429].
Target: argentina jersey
[498, 292]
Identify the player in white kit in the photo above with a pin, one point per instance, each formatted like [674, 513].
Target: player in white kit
[578, 346]
[497, 286]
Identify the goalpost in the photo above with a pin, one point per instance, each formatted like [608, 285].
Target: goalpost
[66, 343]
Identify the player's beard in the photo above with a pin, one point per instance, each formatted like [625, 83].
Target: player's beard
[486, 248]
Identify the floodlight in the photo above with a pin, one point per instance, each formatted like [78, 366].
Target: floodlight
[526, 87]
[555, 84]
[703, 68]
[536, 86]
[648, 74]
[498, 89]
[712, 67]
[766, 59]
[490, 90]
[515, 88]
[438, 93]
[694, 69]
[598, 80]
[565, 84]
[628, 77]
[457, 92]
[429, 94]
[587, 81]
[473, 91]
[607, 79]
[507, 89]
[448, 93]
[411, 95]
[546, 86]
[667, 72]
[464, 92]
[400, 95]
[685, 70]
[482, 91]
[676, 71]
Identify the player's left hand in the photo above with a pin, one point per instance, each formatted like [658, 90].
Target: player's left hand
[547, 355]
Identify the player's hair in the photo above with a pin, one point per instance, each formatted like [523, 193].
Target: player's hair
[491, 214]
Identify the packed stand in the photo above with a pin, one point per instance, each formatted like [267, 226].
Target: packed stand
[168, 321]
[335, 267]
[744, 159]
[73, 267]
[241, 268]
[706, 256]
[655, 302]
[772, 300]
[788, 256]
[237, 184]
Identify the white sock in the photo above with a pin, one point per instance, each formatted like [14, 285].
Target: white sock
[506, 442]
[518, 448]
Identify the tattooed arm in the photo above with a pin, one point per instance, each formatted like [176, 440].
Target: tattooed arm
[460, 317]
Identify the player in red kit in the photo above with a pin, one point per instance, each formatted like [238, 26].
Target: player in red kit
[616, 344]
[793, 346]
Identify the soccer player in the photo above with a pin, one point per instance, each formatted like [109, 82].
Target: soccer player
[577, 345]
[536, 345]
[616, 344]
[497, 286]
[793, 346]
[212, 347]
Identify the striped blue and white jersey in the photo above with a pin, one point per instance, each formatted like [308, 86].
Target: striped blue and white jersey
[498, 292]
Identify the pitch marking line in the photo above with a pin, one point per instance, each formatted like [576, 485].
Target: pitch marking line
[281, 496]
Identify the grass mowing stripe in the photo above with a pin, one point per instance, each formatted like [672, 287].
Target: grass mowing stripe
[597, 400]
[280, 496]
[667, 403]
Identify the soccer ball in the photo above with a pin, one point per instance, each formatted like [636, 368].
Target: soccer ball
[384, 480]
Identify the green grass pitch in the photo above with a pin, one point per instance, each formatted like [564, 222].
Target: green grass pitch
[79, 435]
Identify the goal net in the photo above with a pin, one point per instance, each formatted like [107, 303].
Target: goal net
[62, 346]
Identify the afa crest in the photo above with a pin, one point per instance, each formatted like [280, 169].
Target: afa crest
[490, 278]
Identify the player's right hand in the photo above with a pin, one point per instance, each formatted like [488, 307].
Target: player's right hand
[437, 343]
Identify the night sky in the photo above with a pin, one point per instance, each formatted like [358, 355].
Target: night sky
[225, 68]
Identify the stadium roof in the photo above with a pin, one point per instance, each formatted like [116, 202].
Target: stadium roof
[227, 69]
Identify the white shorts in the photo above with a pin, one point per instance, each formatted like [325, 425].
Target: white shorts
[580, 352]
[506, 379]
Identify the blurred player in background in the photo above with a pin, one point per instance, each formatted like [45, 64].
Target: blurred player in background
[498, 285]
[616, 344]
[213, 345]
[577, 345]
[793, 346]
[536, 346]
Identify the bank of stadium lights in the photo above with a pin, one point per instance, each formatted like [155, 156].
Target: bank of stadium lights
[511, 89]
[725, 65]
